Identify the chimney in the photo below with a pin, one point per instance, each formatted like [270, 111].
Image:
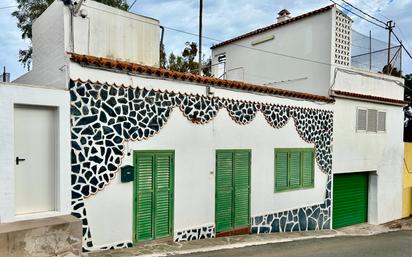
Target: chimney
[283, 15]
[5, 76]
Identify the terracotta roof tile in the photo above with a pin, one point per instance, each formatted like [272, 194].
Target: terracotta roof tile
[370, 97]
[275, 25]
[153, 71]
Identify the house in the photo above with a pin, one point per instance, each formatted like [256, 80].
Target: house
[312, 53]
[161, 154]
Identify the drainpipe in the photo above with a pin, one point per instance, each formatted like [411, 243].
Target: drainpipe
[161, 44]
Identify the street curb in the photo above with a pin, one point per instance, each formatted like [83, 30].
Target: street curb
[235, 246]
[271, 241]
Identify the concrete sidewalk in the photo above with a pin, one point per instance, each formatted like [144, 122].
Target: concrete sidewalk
[167, 248]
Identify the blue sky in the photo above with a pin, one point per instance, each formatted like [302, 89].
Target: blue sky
[223, 19]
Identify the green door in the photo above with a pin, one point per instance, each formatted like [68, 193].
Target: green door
[232, 189]
[153, 187]
[350, 199]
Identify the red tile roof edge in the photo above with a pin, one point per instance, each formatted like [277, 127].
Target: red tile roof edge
[159, 72]
[272, 26]
[370, 97]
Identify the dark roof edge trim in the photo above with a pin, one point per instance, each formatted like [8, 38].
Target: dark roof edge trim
[370, 98]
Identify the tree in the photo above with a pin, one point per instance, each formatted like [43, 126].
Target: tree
[408, 109]
[186, 62]
[189, 56]
[29, 10]
[393, 71]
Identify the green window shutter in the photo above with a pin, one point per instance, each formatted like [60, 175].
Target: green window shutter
[308, 168]
[224, 190]
[294, 169]
[281, 174]
[242, 186]
[163, 164]
[145, 167]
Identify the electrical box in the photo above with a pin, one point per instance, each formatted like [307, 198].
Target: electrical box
[127, 174]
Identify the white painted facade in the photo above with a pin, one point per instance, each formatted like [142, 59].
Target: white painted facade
[15, 94]
[194, 204]
[104, 32]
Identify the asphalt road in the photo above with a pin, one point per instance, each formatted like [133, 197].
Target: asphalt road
[394, 244]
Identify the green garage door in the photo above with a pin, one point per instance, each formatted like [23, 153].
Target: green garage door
[153, 194]
[350, 199]
[232, 189]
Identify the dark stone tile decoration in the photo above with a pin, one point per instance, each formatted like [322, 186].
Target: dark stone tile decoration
[195, 234]
[104, 116]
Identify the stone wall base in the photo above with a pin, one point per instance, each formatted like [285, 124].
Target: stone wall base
[57, 236]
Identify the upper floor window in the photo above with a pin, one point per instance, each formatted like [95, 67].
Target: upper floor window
[370, 120]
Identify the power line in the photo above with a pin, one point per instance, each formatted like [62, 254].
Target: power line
[343, 7]
[370, 16]
[130, 7]
[240, 45]
[403, 46]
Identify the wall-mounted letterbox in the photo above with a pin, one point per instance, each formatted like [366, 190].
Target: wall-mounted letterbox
[127, 174]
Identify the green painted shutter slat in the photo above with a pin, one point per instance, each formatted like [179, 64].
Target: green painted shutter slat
[308, 168]
[162, 194]
[232, 189]
[350, 199]
[154, 171]
[281, 176]
[294, 169]
[242, 186]
[224, 191]
[145, 166]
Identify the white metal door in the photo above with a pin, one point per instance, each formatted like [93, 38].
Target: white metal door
[35, 153]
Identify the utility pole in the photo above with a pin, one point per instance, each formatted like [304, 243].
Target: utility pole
[389, 26]
[370, 50]
[200, 35]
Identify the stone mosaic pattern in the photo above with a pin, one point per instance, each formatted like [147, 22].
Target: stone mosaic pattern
[195, 234]
[307, 218]
[104, 116]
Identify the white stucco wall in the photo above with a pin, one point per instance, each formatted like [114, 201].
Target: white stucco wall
[49, 67]
[309, 38]
[368, 83]
[372, 152]
[11, 94]
[195, 147]
[117, 34]
[105, 32]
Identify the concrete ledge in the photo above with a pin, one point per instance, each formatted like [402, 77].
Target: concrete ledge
[55, 236]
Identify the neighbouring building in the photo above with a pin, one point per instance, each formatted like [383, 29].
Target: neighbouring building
[312, 53]
[162, 154]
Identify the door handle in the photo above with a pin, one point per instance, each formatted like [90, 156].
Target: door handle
[18, 160]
